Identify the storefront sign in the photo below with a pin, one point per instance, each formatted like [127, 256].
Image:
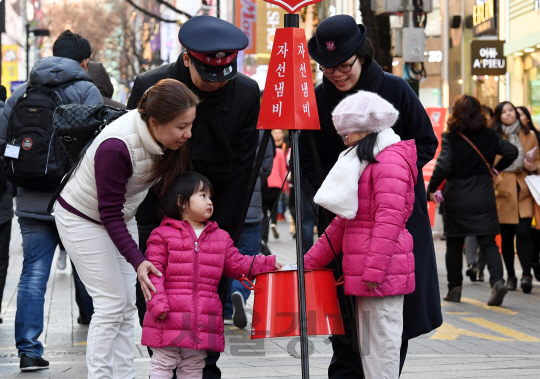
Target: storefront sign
[246, 16]
[487, 58]
[485, 18]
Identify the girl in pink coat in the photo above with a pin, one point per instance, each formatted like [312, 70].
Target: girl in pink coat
[184, 319]
[371, 189]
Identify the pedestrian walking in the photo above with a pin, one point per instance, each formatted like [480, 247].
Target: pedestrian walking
[345, 56]
[275, 182]
[465, 162]
[95, 216]
[371, 189]
[60, 79]
[515, 204]
[237, 295]
[184, 319]
[224, 133]
[526, 119]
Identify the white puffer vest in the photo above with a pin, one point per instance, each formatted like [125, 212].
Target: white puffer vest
[80, 191]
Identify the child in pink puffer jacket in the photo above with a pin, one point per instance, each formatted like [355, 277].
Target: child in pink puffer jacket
[184, 319]
[371, 189]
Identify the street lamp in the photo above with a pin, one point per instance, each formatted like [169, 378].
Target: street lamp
[36, 33]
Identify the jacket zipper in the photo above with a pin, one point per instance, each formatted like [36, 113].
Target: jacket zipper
[196, 305]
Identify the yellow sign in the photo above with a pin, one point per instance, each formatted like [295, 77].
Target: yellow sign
[483, 12]
[269, 18]
[10, 63]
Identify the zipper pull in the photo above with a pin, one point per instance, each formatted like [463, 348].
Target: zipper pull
[196, 247]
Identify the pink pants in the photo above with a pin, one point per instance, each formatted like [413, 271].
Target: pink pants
[190, 363]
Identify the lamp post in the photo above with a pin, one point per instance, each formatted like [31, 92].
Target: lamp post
[36, 33]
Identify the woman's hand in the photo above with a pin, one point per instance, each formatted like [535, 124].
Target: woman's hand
[372, 285]
[162, 316]
[529, 166]
[279, 266]
[146, 285]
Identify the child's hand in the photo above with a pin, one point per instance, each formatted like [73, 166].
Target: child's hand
[279, 266]
[162, 316]
[372, 285]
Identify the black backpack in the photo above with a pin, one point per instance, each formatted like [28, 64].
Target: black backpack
[41, 161]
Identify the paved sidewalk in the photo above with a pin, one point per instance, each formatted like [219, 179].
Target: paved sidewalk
[476, 341]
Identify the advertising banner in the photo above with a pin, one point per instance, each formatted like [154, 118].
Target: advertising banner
[246, 18]
[10, 61]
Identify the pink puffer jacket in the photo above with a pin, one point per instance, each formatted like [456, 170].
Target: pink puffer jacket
[187, 290]
[376, 245]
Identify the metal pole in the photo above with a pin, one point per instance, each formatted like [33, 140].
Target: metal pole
[293, 21]
[27, 52]
[304, 342]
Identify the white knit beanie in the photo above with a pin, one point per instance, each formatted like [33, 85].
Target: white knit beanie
[364, 112]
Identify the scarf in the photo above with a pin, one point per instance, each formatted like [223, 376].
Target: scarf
[512, 133]
[339, 191]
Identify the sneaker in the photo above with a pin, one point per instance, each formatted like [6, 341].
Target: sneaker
[274, 230]
[227, 321]
[280, 217]
[239, 313]
[472, 272]
[61, 262]
[526, 284]
[498, 292]
[33, 364]
[454, 295]
[512, 283]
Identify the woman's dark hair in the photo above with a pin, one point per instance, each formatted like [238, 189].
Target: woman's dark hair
[164, 102]
[526, 112]
[181, 188]
[466, 115]
[72, 46]
[365, 147]
[496, 122]
[486, 110]
[365, 51]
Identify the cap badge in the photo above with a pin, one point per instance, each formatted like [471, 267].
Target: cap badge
[220, 55]
[330, 46]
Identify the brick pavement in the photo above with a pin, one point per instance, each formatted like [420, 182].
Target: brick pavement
[476, 341]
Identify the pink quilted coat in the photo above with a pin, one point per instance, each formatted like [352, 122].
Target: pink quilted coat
[187, 290]
[376, 245]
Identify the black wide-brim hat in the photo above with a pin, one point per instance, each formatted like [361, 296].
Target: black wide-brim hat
[216, 39]
[336, 39]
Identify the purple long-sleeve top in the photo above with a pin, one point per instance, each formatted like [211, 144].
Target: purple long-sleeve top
[113, 168]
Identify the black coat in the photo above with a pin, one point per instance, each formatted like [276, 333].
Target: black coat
[223, 143]
[469, 195]
[422, 309]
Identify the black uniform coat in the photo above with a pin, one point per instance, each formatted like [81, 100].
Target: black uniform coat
[469, 195]
[223, 143]
[422, 309]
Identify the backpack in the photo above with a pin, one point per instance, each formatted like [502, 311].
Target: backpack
[77, 126]
[34, 157]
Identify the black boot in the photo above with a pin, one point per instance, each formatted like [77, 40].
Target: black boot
[498, 292]
[472, 272]
[512, 283]
[526, 284]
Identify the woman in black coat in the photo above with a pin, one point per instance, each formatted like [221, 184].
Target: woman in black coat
[345, 56]
[469, 195]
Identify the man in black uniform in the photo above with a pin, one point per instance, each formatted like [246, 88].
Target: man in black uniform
[224, 136]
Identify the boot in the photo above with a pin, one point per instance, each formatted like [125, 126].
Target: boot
[454, 295]
[497, 293]
[526, 284]
[512, 283]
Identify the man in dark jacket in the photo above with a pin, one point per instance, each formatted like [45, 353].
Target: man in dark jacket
[40, 237]
[348, 66]
[224, 134]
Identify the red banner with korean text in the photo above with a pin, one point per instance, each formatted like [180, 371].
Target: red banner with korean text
[289, 97]
[438, 120]
[246, 16]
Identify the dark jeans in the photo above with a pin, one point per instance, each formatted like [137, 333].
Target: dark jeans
[5, 237]
[82, 298]
[454, 259]
[522, 233]
[535, 237]
[249, 241]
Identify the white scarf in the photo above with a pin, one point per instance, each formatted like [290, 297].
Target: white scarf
[339, 191]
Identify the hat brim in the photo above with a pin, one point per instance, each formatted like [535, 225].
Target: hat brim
[330, 59]
[215, 73]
